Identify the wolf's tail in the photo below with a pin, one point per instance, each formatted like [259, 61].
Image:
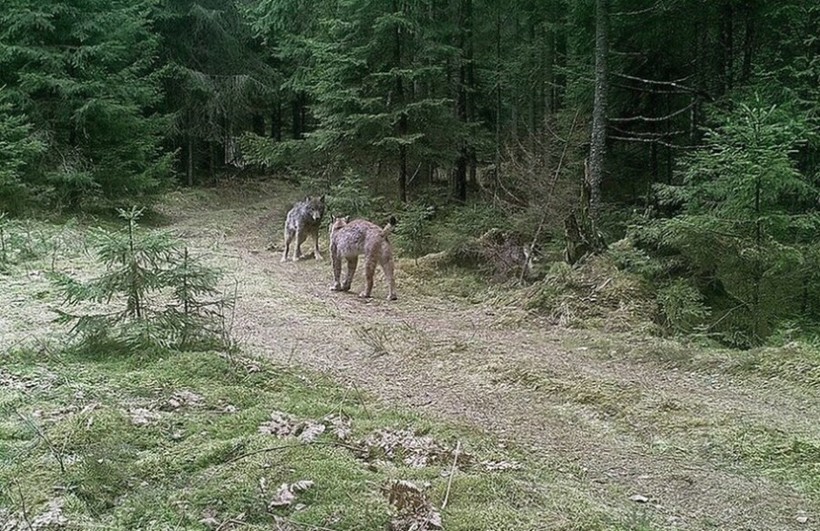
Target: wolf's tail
[389, 227]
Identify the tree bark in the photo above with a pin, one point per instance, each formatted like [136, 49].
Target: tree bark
[402, 123]
[258, 124]
[189, 167]
[598, 146]
[276, 122]
[460, 173]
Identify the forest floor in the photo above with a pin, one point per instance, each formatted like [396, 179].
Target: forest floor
[614, 430]
[683, 436]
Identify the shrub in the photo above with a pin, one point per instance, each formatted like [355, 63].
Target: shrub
[168, 298]
[682, 306]
[413, 233]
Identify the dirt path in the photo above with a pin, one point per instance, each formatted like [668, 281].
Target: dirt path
[611, 425]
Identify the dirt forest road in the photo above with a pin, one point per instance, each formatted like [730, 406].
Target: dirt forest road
[602, 421]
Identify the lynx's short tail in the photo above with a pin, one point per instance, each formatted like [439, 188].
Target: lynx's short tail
[389, 227]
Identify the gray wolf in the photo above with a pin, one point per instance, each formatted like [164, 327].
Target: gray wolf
[304, 219]
[348, 240]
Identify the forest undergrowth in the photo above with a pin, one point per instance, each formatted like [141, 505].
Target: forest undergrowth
[326, 411]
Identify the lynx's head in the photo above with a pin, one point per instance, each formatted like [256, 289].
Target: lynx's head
[336, 223]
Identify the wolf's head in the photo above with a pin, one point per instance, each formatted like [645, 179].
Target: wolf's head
[315, 207]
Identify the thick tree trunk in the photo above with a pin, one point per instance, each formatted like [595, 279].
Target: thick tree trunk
[258, 124]
[581, 235]
[598, 147]
[276, 122]
[297, 116]
[402, 125]
[460, 173]
[748, 42]
[727, 45]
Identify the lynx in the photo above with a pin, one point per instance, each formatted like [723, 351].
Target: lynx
[348, 240]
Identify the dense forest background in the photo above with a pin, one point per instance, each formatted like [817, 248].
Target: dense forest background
[686, 128]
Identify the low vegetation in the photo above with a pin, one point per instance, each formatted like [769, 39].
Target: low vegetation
[189, 440]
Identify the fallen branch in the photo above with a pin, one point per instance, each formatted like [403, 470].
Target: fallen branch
[452, 473]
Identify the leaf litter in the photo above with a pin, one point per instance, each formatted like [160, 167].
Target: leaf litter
[397, 445]
[286, 494]
[413, 510]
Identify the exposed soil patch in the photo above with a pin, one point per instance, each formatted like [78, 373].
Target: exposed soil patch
[640, 436]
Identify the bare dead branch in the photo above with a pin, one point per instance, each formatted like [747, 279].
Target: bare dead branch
[651, 141]
[654, 118]
[42, 435]
[637, 12]
[452, 473]
[647, 134]
[675, 84]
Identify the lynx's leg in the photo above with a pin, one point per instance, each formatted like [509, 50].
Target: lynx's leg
[336, 261]
[351, 270]
[288, 238]
[387, 267]
[369, 271]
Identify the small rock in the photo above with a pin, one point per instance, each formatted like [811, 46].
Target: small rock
[802, 519]
[637, 498]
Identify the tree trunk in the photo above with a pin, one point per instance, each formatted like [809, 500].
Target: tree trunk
[402, 123]
[748, 42]
[296, 117]
[497, 88]
[727, 45]
[598, 145]
[258, 124]
[276, 122]
[581, 235]
[189, 167]
[460, 173]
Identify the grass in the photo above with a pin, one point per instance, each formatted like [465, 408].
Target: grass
[66, 433]
[67, 430]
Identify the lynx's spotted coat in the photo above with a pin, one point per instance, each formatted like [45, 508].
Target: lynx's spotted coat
[349, 240]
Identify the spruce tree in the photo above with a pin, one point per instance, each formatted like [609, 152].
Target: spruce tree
[749, 218]
[85, 74]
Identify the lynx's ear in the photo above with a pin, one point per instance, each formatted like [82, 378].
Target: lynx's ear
[322, 199]
[307, 199]
[347, 219]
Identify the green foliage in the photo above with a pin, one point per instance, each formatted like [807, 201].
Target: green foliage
[473, 220]
[19, 149]
[170, 299]
[682, 306]
[284, 155]
[83, 74]
[747, 218]
[351, 197]
[145, 426]
[414, 231]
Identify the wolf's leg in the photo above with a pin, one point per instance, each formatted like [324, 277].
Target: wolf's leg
[300, 238]
[316, 245]
[288, 239]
